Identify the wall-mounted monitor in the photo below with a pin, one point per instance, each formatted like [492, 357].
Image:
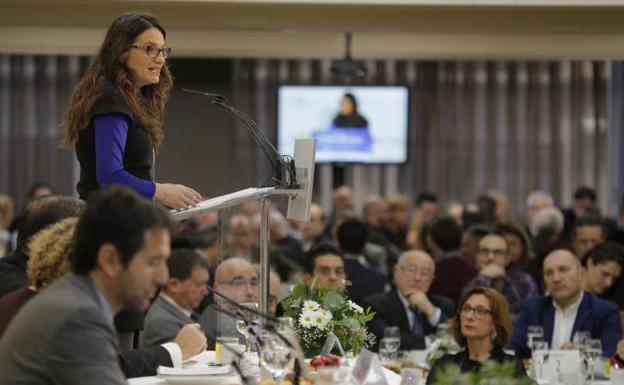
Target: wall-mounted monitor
[351, 124]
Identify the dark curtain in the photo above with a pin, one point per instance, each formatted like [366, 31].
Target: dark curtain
[516, 126]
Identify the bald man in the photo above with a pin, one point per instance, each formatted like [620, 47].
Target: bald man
[238, 280]
[566, 310]
[409, 307]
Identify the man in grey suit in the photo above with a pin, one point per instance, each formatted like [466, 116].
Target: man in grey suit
[65, 335]
[174, 307]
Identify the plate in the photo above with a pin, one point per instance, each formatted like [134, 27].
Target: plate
[199, 380]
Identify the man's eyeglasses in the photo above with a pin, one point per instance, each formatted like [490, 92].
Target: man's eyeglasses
[152, 50]
[240, 282]
[414, 270]
[479, 312]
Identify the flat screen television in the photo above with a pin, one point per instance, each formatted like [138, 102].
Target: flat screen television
[375, 131]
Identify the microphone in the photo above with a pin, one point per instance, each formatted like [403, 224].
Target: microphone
[267, 317]
[216, 97]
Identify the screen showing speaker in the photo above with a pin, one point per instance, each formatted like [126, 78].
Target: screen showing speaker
[351, 124]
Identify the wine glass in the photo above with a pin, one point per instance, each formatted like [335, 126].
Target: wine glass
[534, 332]
[386, 346]
[540, 355]
[392, 335]
[593, 352]
[276, 356]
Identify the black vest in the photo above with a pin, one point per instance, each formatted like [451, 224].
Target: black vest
[138, 156]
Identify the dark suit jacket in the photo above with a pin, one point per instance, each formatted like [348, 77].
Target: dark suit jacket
[364, 281]
[73, 339]
[389, 311]
[13, 272]
[465, 364]
[599, 317]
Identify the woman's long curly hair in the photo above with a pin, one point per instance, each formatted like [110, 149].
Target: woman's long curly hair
[49, 252]
[109, 67]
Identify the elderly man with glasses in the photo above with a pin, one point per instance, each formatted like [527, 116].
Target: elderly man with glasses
[409, 307]
[238, 280]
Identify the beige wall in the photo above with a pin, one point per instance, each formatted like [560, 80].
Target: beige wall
[382, 29]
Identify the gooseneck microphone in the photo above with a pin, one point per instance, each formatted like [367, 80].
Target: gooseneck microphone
[283, 165]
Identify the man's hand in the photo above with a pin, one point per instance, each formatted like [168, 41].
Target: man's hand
[492, 271]
[620, 349]
[566, 346]
[419, 300]
[191, 340]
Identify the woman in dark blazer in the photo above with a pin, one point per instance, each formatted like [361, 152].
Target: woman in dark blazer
[482, 326]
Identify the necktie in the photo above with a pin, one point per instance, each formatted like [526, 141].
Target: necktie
[417, 328]
[194, 317]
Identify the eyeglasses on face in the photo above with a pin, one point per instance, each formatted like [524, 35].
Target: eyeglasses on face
[414, 270]
[479, 312]
[240, 282]
[152, 50]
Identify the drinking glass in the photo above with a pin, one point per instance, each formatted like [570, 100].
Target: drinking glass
[536, 333]
[241, 325]
[540, 355]
[593, 353]
[276, 356]
[579, 340]
[386, 350]
[392, 335]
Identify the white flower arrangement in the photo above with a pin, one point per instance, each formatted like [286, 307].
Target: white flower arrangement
[318, 311]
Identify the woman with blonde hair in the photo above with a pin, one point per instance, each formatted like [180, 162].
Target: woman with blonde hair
[482, 326]
[49, 252]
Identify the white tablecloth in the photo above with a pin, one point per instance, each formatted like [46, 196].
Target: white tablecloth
[208, 356]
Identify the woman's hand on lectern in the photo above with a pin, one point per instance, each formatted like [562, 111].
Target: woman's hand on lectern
[176, 196]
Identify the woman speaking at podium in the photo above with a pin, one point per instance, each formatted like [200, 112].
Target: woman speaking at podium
[115, 114]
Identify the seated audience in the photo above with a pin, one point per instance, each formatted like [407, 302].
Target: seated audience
[452, 271]
[275, 287]
[313, 231]
[470, 241]
[566, 310]
[364, 280]
[520, 252]
[49, 260]
[602, 267]
[326, 266]
[482, 327]
[118, 261]
[536, 201]
[587, 232]
[238, 280]
[409, 307]
[6, 217]
[240, 238]
[38, 214]
[493, 258]
[182, 294]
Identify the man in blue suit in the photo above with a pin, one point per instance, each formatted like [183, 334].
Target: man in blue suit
[566, 310]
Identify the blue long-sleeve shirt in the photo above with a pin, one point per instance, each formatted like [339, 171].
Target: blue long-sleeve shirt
[111, 132]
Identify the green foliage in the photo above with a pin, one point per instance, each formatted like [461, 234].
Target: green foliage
[491, 373]
[318, 311]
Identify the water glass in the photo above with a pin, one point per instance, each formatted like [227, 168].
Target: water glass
[386, 350]
[579, 340]
[540, 356]
[534, 333]
[392, 335]
[593, 353]
[276, 356]
[223, 355]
